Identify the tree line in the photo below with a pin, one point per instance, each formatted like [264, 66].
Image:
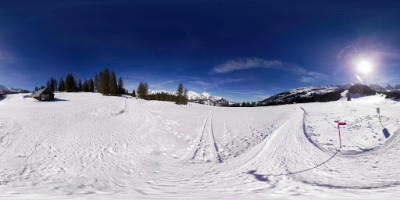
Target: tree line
[244, 104]
[105, 82]
[179, 98]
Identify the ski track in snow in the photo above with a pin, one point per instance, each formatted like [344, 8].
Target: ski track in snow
[86, 146]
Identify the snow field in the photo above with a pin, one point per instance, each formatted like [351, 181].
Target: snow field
[87, 146]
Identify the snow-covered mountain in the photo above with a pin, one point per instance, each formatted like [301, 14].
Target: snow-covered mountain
[16, 90]
[4, 90]
[305, 94]
[203, 98]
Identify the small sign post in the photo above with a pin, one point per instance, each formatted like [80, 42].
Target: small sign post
[338, 126]
[378, 110]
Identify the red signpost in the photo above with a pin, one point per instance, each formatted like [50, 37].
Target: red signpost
[338, 126]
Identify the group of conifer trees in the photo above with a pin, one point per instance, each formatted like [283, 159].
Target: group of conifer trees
[244, 104]
[106, 83]
[179, 98]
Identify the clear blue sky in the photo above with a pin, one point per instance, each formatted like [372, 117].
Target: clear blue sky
[242, 50]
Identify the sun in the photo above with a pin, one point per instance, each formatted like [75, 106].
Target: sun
[364, 67]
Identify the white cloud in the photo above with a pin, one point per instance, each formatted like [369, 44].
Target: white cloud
[247, 63]
[310, 77]
[250, 63]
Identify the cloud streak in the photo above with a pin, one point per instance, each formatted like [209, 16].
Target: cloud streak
[251, 63]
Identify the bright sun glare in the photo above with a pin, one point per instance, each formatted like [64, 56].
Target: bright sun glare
[364, 67]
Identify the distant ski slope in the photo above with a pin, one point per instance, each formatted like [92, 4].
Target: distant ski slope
[88, 146]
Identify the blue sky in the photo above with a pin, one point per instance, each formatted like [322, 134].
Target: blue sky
[242, 50]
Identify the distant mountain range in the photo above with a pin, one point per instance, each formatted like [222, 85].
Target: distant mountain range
[9, 90]
[202, 98]
[322, 93]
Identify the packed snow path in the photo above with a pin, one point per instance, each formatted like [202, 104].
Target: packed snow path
[92, 147]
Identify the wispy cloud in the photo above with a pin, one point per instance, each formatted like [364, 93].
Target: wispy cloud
[310, 77]
[250, 63]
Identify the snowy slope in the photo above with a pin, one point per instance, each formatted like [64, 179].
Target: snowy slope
[4, 90]
[300, 94]
[15, 90]
[87, 146]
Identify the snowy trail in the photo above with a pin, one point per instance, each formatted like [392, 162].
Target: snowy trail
[92, 147]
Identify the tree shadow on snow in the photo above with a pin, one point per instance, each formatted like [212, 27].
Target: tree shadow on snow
[264, 178]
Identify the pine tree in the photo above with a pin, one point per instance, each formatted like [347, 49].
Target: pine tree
[179, 100]
[105, 82]
[48, 84]
[141, 91]
[133, 93]
[70, 83]
[185, 97]
[100, 81]
[146, 89]
[61, 85]
[91, 85]
[80, 86]
[54, 85]
[113, 84]
[121, 89]
[96, 83]
[85, 86]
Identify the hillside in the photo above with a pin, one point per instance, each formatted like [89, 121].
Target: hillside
[88, 146]
[321, 93]
[4, 90]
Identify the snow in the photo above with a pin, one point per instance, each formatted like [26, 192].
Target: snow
[88, 146]
[4, 90]
[206, 98]
[16, 90]
[303, 92]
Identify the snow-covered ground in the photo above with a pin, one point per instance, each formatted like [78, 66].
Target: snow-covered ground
[87, 146]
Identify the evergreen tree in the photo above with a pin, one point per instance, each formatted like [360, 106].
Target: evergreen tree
[48, 84]
[85, 86]
[105, 82]
[91, 85]
[61, 85]
[100, 81]
[54, 84]
[70, 83]
[179, 100]
[133, 93]
[42, 87]
[96, 83]
[185, 97]
[141, 91]
[80, 86]
[146, 88]
[113, 84]
[182, 95]
[121, 89]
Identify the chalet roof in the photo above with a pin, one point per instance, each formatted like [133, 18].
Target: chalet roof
[41, 91]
